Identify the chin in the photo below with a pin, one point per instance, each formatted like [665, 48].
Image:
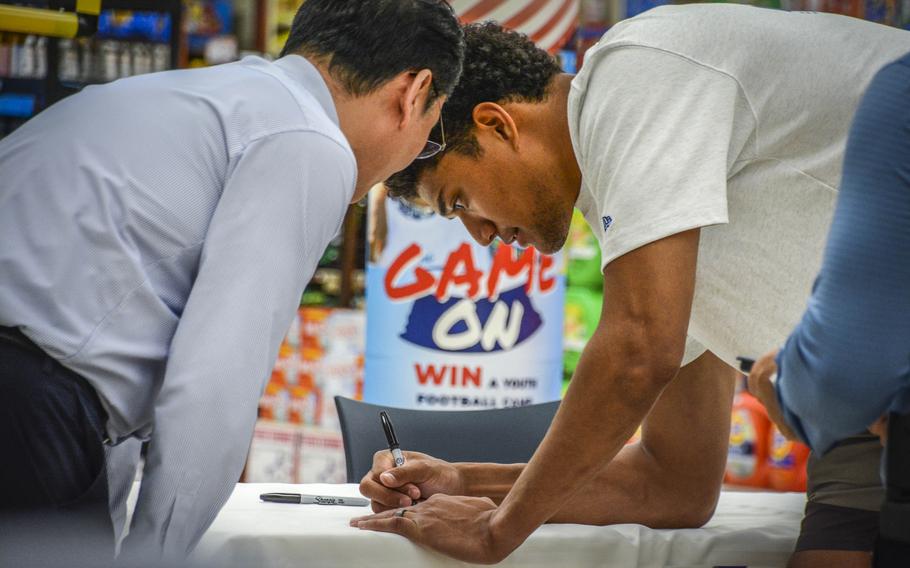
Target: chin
[544, 246]
[548, 248]
[554, 244]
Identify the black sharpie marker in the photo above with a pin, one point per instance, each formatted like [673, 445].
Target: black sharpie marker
[392, 439]
[297, 498]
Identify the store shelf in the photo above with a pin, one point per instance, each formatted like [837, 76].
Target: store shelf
[138, 5]
[51, 88]
[20, 83]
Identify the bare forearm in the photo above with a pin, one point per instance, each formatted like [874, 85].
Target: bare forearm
[579, 443]
[633, 354]
[629, 489]
[491, 480]
[632, 488]
[670, 479]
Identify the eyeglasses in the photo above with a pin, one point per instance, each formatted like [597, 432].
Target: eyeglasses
[432, 148]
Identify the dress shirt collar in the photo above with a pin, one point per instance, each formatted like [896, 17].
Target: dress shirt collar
[301, 71]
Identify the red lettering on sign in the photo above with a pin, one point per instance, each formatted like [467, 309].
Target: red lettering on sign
[423, 281]
[546, 263]
[457, 376]
[504, 262]
[459, 270]
[467, 375]
[430, 373]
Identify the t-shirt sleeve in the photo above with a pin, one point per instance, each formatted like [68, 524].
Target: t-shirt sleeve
[694, 350]
[656, 144]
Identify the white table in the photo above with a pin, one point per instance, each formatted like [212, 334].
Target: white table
[754, 529]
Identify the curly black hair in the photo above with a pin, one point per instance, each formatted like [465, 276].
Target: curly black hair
[500, 66]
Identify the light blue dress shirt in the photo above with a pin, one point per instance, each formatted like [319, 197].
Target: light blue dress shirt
[156, 235]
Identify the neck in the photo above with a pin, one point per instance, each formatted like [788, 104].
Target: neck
[356, 117]
[353, 117]
[556, 124]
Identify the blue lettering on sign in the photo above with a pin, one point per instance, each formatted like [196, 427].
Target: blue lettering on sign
[462, 325]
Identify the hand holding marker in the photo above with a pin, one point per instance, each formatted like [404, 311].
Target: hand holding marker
[330, 500]
[298, 498]
[392, 439]
[394, 448]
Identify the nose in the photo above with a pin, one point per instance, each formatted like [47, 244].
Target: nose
[481, 230]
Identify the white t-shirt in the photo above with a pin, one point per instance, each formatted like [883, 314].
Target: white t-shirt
[733, 119]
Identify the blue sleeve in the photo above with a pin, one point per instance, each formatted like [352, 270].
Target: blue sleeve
[848, 360]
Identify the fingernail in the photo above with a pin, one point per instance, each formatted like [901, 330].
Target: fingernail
[404, 502]
[387, 478]
[414, 493]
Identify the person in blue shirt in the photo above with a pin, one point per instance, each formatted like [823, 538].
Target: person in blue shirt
[846, 366]
[156, 235]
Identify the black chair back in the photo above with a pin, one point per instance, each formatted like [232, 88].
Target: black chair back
[501, 435]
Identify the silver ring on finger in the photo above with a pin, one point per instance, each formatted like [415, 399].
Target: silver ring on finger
[400, 513]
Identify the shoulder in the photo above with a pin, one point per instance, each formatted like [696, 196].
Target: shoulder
[670, 36]
[310, 149]
[687, 27]
[268, 103]
[629, 87]
[714, 37]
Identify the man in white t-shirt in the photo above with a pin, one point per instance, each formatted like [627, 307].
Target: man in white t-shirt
[703, 145]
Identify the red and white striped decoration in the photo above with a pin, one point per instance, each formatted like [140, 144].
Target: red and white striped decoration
[549, 23]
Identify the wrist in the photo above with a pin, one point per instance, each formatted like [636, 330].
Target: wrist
[467, 476]
[504, 533]
[463, 477]
[487, 479]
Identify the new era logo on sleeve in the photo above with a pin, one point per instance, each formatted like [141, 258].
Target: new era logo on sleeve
[607, 222]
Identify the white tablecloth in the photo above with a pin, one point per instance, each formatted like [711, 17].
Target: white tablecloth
[754, 529]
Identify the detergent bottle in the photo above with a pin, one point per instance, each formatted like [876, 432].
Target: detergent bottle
[747, 456]
[786, 463]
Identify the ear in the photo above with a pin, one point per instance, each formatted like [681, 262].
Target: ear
[413, 98]
[490, 119]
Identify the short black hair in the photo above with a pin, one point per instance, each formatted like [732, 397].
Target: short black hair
[499, 66]
[365, 43]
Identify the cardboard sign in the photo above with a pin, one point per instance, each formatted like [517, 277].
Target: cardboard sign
[452, 325]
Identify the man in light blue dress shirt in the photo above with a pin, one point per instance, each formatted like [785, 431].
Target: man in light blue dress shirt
[156, 235]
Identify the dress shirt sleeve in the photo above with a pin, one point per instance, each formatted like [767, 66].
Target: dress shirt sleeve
[848, 361]
[282, 202]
